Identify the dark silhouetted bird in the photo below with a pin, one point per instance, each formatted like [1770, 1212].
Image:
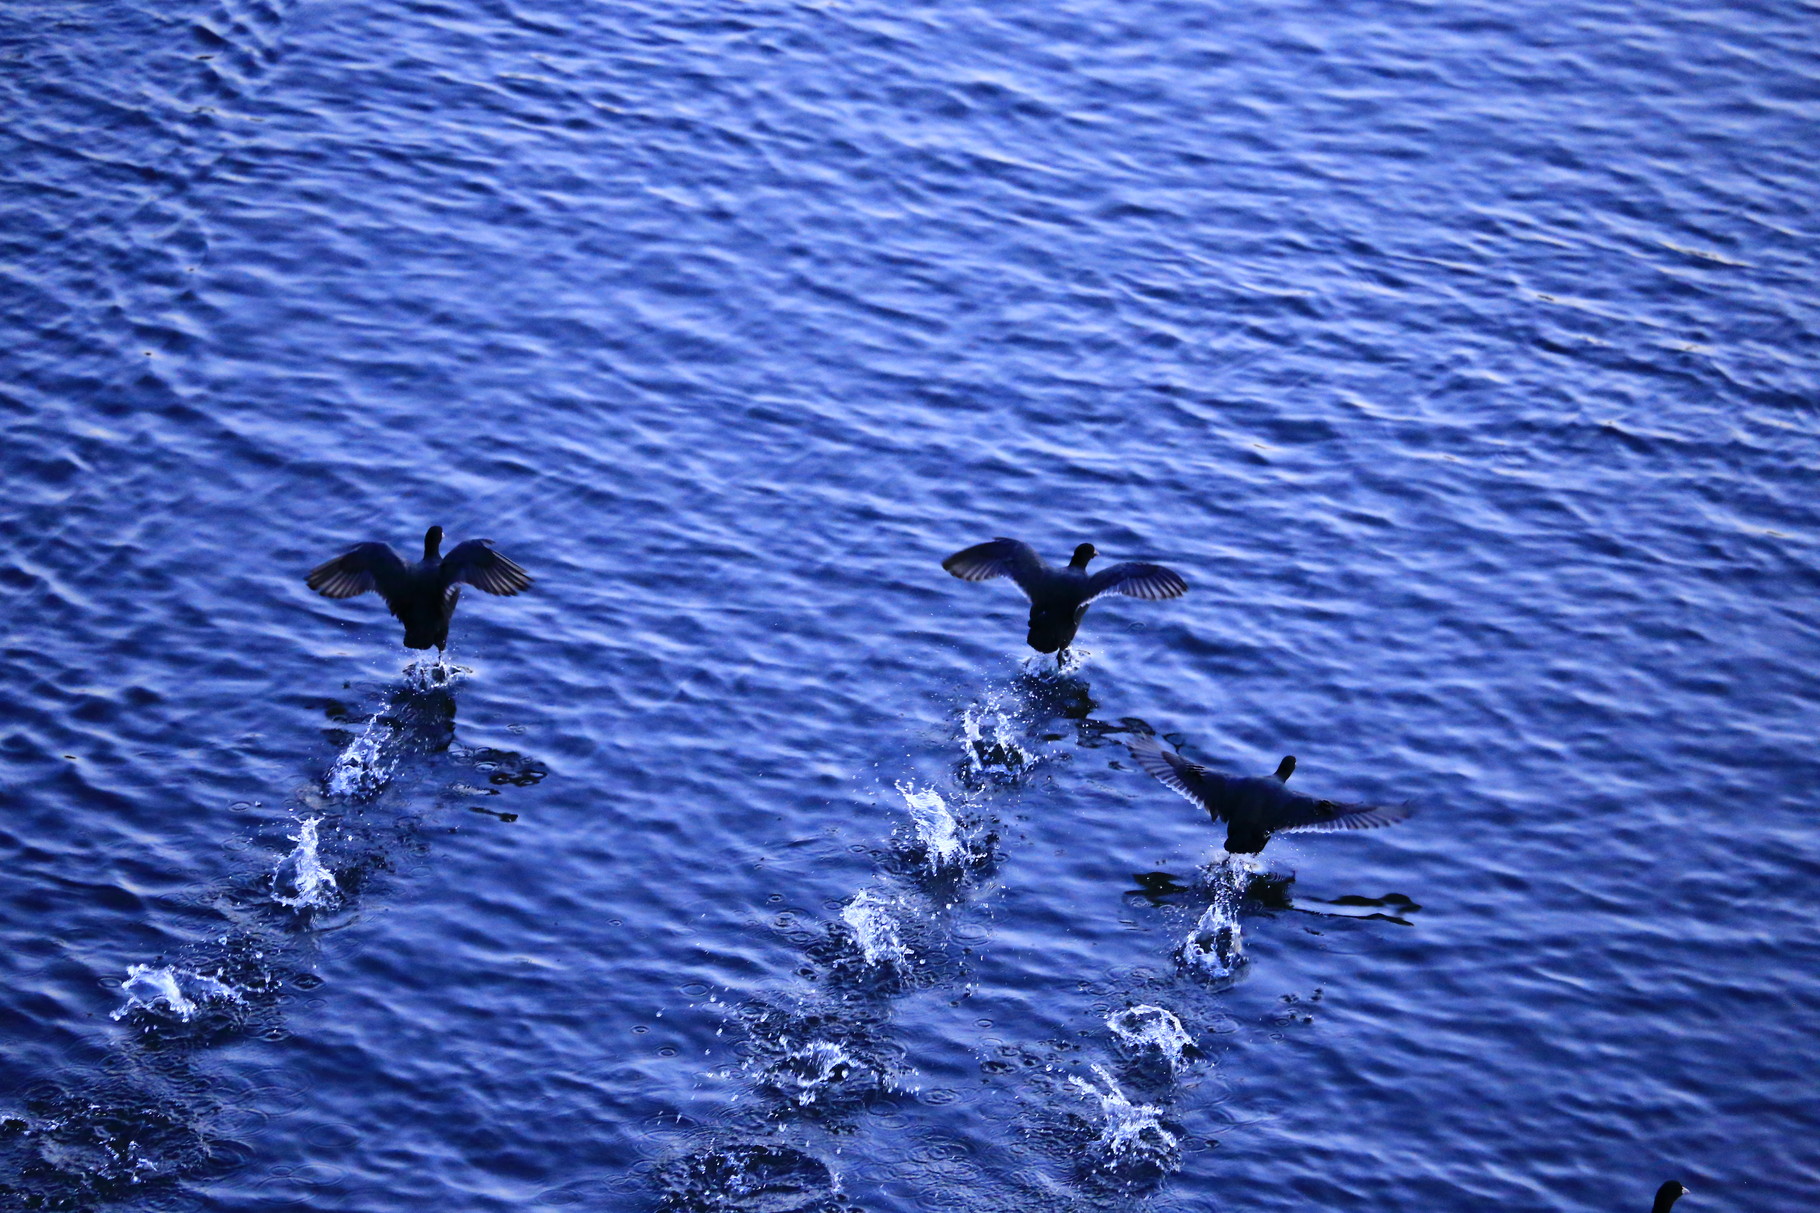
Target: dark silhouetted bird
[421, 595]
[1667, 1195]
[1059, 597]
[1256, 807]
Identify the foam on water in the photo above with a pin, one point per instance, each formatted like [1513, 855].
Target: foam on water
[1144, 1027]
[1129, 1132]
[301, 881]
[172, 991]
[874, 929]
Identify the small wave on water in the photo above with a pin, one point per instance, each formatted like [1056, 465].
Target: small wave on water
[168, 991]
[1216, 946]
[301, 881]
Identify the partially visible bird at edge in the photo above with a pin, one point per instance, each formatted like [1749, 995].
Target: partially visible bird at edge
[1060, 597]
[423, 595]
[1255, 807]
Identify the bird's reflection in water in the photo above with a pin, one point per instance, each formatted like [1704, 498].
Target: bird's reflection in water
[1270, 892]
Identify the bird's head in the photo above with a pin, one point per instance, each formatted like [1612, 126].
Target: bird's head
[1667, 1195]
[1082, 555]
[432, 543]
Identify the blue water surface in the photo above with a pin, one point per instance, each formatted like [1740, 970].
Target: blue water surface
[1463, 357]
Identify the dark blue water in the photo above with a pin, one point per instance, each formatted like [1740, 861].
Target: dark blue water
[1463, 357]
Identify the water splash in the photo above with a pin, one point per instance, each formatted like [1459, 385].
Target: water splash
[300, 880]
[1216, 946]
[1144, 1028]
[1002, 748]
[874, 929]
[936, 827]
[814, 1070]
[182, 993]
[1129, 1132]
[363, 768]
[438, 675]
[756, 1177]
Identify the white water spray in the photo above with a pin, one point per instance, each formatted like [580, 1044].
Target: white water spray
[179, 991]
[936, 826]
[1002, 747]
[300, 880]
[1129, 1132]
[1145, 1027]
[1216, 946]
[874, 929]
[364, 766]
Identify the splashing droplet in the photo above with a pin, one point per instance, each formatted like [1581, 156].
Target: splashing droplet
[874, 929]
[1129, 1132]
[1145, 1027]
[301, 881]
[172, 991]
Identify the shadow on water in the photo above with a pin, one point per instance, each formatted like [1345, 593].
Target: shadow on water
[143, 1118]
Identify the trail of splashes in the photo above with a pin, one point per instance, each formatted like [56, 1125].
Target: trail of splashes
[1216, 946]
[181, 992]
[1144, 1027]
[301, 881]
[1129, 1132]
[874, 929]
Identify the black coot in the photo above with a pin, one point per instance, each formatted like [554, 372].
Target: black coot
[1667, 1195]
[1256, 807]
[421, 595]
[1059, 597]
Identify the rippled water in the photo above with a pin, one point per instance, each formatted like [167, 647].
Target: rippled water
[1462, 357]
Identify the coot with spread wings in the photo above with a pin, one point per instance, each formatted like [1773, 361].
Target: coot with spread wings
[421, 595]
[1060, 597]
[1256, 807]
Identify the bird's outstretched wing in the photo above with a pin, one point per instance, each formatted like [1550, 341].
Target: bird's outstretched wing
[371, 566]
[1135, 579]
[1189, 779]
[1306, 815]
[999, 558]
[476, 563]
